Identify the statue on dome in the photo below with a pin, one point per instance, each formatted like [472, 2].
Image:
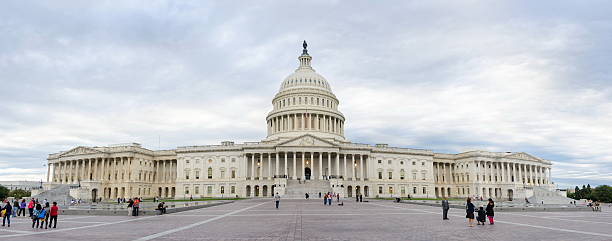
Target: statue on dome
[305, 45]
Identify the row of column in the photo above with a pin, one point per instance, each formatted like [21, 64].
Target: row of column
[512, 172]
[305, 121]
[116, 168]
[287, 164]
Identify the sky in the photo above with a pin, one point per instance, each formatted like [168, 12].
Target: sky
[449, 76]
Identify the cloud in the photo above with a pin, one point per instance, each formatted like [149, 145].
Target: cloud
[515, 76]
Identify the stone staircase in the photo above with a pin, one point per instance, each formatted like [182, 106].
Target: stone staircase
[548, 196]
[296, 190]
[59, 194]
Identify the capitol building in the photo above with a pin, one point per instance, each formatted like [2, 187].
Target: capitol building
[305, 151]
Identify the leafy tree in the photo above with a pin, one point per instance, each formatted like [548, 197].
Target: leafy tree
[4, 192]
[603, 193]
[20, 193]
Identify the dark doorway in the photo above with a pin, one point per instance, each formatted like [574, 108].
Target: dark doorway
[307, 173]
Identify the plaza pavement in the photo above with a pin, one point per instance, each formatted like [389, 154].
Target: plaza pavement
[310, 220]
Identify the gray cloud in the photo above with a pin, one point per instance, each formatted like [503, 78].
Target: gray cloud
[448, 76]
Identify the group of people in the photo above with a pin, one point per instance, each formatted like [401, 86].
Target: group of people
[595, 206]
[42, 216]
[133, 206]
[483, 213]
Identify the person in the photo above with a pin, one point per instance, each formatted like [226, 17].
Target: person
[22, 207]
[319, 194]
[42, 216]
[135, 206]
[330, 198]
[118, 200]
[15, 207]
[130, 206]
[338, 197]
[35, 213]
[469, 209]
[361, 198]
[31, 207]
[490, 212]
[445, 208]
[325, 199]
[306, 194]
[161, 208]
[277, 200]
[481, 216]
[7, 210]
[53, 215]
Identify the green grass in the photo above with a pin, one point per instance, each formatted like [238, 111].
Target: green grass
[200, 199]
[406, 199]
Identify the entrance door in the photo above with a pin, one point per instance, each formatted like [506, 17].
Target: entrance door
[94, 194]
[510, 194]
[307, 172]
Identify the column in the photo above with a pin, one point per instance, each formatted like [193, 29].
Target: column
[344, 168]
[514, 173]
[295, 165]
[353, 166]
[252, 166]
[48, 172]
[320, 165]
[276, 163]
[549, 175]
[269, 166]
[329, 160]
[338, 165]
[361, 167]
[303, 157]
[520, 169]
[286, 168]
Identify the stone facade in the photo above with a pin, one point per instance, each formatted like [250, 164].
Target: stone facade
[305, 142]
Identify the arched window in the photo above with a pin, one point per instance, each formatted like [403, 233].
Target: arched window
[210, 173]
[222, 189]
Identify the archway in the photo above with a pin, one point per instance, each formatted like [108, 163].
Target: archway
[256, 191]
[159, 192]
[116, 193]
[349, 190]
[307, 172]
[166, 193]
[248, 191]
[448, 192]
[265, 190]
[510, 194]
[437, 192]
[94, 194]
[173, 192]
[366, 191]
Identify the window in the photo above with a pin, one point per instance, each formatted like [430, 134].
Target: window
[197, 174]
[379, 161]
[197, 190]
[390, 190]
[187, 162]
[413, 163]
[233, 189]
[423, 176]
[401, 162]
[233, 159]
[414, 190]
[402, 174]
[389, 162]
[380, 175]
[209, 190]
[422, 163]
[186, 190]
[413, 176]
[380, 190]
[210, 173]
[210, 160]
[222, 159]
[424, 190]
[390, 175]
[233, 173]
[186, 174]
[222, 174]
[222, 189]
[403, 190]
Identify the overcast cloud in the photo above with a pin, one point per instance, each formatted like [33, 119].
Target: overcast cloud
[450, 76]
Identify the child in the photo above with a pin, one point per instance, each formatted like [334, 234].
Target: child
[481, 216]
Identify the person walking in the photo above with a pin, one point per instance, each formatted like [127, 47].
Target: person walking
[276, 200]
[31, 207]
[15, 208]
[130, 206]
[35, 213]
[7, 211]
[53, 215]
[445, 208]
[324, 199]
[43, 215]
[330, 197]
[360, 198]
[469, 209]
[22, 207]
[47, 214]
[489, 210]
[135, 207]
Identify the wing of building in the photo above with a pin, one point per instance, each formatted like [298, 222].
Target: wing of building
[305, 152]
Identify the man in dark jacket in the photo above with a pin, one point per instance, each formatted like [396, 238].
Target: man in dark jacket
[445, 208]
[8, 211]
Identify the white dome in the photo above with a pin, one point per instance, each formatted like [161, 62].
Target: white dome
[305, 77]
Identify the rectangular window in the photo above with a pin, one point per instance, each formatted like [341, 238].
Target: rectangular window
[197, 174]
[380, 190]
[379, 161]
[380, 175]
[414, 190]
[197, 190]
[233, 173]
[222, 174]
[414, 176]
[209, 190]
[186, 190]
[233, 189]
[390, 190]
[389, 162]
[424, 190]
[390, 175]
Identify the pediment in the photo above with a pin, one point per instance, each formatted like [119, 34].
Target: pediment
[81, 150]
[307, 141]
[524, 156]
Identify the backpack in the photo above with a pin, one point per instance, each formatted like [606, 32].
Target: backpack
[42, 213]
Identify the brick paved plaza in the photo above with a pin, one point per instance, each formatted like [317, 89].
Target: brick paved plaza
[310, 220]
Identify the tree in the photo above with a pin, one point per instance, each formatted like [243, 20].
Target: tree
[20, 193]
[602, 193]
[4, 192]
